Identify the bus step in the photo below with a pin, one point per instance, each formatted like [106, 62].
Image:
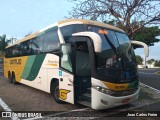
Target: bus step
[86, 103]
[86, 97]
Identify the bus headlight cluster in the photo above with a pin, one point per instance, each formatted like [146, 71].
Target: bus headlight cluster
[103, 90]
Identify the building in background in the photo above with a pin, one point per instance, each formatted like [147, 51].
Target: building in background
[12, 40]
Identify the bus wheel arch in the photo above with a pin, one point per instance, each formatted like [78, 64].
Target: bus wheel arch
[10, 77]
[14, 78]
[54, 90]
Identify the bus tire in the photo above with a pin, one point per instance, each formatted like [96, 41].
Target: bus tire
[10, 78]
[14, 79]
[55, 92]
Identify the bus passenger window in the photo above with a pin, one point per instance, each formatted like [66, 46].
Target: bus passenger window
[16, 51]
[67, 31]
[51, 41]
[40, 42]
[66, 57]
[35, 47]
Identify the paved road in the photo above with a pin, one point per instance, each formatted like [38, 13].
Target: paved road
[148, 77]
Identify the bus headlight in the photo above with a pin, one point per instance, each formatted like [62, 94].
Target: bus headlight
[103, 90]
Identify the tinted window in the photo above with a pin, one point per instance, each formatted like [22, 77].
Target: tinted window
[51, 41]
[40, 42]
[9, 52]
[45, 42]
[25, 49]
[16, 50]
[66, 61]
[67, 31]
[35, 46]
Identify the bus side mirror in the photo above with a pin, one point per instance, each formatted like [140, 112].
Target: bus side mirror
[146, 48]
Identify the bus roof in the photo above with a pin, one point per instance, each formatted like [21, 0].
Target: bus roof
[67, 22]
[91, 22]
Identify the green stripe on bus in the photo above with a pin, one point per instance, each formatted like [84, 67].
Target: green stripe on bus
[36, 67]
[28, 66]
[133, 84]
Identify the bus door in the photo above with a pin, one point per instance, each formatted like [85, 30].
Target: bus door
[83, 65]
[82, 77]
[66, 77]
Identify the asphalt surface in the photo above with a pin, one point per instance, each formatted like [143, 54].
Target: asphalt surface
[148, 77]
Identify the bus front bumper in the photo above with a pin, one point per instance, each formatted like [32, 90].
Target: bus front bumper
[104, 101]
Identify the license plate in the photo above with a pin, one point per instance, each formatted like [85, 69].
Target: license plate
[126, 100]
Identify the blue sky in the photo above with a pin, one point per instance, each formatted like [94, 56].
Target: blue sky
[19, 17]
[154, 52]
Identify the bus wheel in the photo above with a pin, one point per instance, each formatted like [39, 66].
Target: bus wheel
[14, 80]
[55, 92]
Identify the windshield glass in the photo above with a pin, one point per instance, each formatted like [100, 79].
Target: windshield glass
[117, 58]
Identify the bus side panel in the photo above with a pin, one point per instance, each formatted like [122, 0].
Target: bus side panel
[6, 67]
[15, 65]
[31, 70]
[40, 75]
[48, 71]
[36, 71]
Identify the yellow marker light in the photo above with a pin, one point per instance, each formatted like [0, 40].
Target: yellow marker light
[103, 31]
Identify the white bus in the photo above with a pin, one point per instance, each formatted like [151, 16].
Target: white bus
[77, 61]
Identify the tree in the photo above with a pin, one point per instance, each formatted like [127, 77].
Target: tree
[147, 35]
[3, 43]
[131, 15]
[150, 61]
[157, 63]
[139, 59]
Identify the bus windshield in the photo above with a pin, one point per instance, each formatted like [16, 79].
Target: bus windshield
[117, 58]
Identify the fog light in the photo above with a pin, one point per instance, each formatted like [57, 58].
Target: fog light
[104, 102]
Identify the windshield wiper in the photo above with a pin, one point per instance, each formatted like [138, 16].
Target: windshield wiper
[111, 44]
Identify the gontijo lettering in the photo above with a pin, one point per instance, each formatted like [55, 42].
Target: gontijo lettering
[15, 61]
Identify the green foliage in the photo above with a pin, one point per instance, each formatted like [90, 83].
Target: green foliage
[150, 61]
[3, 43]
[147, 35]
[139, 59]
[157, 63]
